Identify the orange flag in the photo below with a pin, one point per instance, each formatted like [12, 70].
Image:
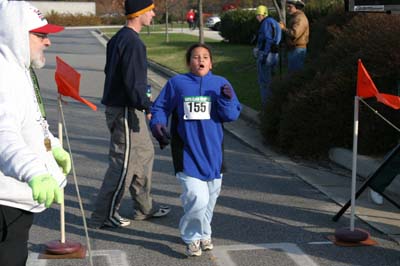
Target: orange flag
[68, 80]
[366, 89]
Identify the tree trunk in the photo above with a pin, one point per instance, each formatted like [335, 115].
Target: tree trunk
[166, 22]
[281, 9]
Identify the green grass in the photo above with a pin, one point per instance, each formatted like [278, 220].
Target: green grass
[234, 62]
[161, 27]
[176, 26]
[110, 31]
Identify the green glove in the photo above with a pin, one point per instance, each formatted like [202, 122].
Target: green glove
[63, 159]
[45, 190]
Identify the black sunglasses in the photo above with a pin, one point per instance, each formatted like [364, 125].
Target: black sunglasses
[41, 35]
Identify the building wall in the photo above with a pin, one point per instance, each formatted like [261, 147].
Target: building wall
[85, 8]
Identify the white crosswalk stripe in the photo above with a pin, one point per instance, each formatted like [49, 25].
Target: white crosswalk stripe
[292, 251]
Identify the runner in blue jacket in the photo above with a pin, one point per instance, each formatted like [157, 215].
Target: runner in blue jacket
[269, 37]
[199, 103]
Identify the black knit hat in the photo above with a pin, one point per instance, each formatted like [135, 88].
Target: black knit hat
[134, 8]
[298, 3]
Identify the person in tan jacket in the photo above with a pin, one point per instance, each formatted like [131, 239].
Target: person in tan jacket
[297, 33]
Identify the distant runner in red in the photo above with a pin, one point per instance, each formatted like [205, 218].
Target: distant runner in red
[190, 18]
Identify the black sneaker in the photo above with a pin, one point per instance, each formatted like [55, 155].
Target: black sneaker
[161, 211]
[122, 221]
[117, 222]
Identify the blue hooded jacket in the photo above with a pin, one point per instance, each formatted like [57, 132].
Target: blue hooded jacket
[196, 144]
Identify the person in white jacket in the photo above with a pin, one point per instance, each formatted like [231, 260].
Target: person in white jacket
[33, 165]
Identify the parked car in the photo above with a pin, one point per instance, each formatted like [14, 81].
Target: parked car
[213, 22]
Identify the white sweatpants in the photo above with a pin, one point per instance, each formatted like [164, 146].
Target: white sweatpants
[198, 201]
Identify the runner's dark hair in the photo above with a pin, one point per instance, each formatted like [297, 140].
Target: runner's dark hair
[194, 46]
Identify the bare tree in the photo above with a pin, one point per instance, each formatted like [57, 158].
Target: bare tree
[281, 9]
[105, 6]
[166, 21]
[118, 5]
[167, 6]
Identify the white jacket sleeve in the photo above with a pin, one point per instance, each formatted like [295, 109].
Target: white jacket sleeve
[18, 156]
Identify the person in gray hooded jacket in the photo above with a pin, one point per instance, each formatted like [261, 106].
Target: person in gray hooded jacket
[30, 156]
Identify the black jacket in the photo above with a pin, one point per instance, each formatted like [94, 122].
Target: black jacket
[126, 71]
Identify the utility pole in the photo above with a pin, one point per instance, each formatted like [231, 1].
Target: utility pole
[200, 20]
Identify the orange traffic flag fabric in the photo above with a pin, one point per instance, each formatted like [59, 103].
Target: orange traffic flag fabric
[365, 86]
[68, 81]
[389, 100]
[366, 89]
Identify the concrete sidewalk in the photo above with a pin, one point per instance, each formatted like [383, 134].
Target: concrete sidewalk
[333, 181]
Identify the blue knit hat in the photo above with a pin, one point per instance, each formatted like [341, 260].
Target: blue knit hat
[135, 8]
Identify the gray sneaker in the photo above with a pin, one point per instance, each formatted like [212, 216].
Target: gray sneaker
[193, 249]
[158, 212]
[206, 244]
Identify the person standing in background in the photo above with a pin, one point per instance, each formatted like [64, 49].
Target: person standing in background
[269, 37]
[297, 34]
[131, 153]
[33, 164]
[196, 19]
[190, 18]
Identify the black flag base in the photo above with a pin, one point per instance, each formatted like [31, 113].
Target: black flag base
[346, 237]
[68, 250]
[352, 236]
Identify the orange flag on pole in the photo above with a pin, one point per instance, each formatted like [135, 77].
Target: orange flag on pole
[366, 89]
[68, 80]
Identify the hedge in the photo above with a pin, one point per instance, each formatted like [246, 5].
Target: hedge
[312, 111]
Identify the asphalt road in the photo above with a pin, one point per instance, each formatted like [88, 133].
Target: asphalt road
[264, 216]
